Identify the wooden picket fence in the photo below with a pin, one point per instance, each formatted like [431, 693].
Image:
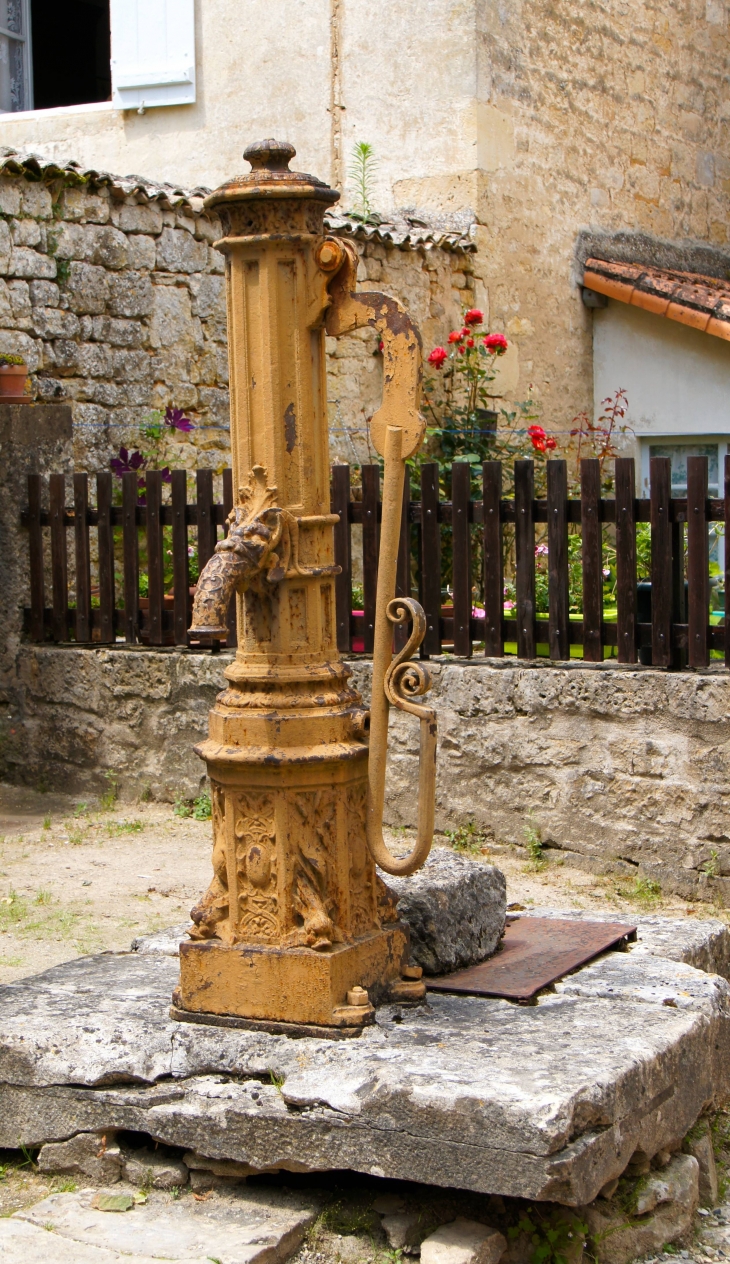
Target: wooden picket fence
[678, 634]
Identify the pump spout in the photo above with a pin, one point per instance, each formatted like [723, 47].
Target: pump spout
[245, 557]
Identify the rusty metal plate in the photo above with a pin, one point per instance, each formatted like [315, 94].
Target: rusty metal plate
[535, 952]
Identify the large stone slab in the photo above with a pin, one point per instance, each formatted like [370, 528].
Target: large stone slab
[246, 1228]
[455, 908]
[544, 1102]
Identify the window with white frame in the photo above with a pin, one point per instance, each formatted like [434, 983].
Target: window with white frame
[137, 53]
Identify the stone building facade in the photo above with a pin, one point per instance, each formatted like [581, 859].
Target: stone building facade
[113, 292]
[550, 123]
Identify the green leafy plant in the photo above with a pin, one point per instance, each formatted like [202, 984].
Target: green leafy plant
[363, 165]
[202, 807]
[533, 842]
[125, 827]
[467, 838]
[6, 359]
[711, 867]
[647, 890]
[46, 822]
[277, 1080]
[554, 1236]
[109, 797]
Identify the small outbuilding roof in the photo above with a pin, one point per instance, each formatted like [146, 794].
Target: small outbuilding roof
[702, 302]
[407, 229]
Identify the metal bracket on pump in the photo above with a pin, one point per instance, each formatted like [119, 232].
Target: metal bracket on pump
[397, 431]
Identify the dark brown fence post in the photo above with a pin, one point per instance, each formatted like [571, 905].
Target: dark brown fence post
[232, 640]
[83, 560]
[403, 569]
[155, 584]
[461, 545]
[130, 553]
[343, 556]
[590, 517]
[698, 562]
[558, 582]
[626, 558]
[59, 561]
[661, 561]
[35, 543]
[180, 560]
[207, 534]
[726, 492]
[105, 533]
[493, 567]
[370, 545]
[525, 557]
[430, 558]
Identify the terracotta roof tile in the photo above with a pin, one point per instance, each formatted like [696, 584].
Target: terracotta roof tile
[702, 302]
[408, 229]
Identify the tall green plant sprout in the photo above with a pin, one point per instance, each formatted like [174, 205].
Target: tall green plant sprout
[363, 165]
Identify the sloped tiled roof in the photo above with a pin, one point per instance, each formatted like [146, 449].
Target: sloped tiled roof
[702, 302]
[405, 229]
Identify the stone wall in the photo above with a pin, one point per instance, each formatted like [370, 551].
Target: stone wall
[113, 292]
[621, 768]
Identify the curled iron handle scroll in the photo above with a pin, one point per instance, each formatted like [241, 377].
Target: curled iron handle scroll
[405, 680]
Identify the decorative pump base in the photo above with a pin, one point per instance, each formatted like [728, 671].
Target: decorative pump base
[296, 930]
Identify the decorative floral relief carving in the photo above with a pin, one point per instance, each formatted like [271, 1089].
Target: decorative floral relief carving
[314, 894]
[362, 876]
[210, 915]
[256, 869]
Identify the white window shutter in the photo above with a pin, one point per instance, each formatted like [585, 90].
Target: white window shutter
[153, 53]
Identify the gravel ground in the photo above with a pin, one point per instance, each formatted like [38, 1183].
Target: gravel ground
[82, 877]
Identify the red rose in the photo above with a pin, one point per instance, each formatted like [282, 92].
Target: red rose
[465, 331]
[474, 316]
[470, 342]
[538, 444]
[437, 357]
[496, 343]
[536, 432]
[381, 346]
[551, 444]
[462, 350]
[455, 336]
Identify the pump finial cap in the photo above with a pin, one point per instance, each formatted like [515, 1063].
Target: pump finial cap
[269, 155]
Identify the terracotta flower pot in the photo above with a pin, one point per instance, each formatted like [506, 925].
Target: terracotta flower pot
[13, 378]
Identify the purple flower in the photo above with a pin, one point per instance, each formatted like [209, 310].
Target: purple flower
[127, 463]
[166, 475]
[176, 419]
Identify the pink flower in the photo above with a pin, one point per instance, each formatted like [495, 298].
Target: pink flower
[541, 550]
[474, 316]
[509, 605]
[437, 357]
[496, 344]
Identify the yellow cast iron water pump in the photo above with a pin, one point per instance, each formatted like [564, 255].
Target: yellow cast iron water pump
[297, 930]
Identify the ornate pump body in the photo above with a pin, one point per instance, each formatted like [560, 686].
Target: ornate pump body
[296, 930]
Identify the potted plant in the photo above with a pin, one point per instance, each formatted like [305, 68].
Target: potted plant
[13, 377]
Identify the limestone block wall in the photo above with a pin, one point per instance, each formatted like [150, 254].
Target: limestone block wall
[113, 292]
[620, 768]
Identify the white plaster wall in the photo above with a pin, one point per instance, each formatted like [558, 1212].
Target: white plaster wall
[677, 379]
[262, 70]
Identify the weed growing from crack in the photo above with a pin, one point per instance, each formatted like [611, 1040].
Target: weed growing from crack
[467, 838]
[533, 843]
[109, 797]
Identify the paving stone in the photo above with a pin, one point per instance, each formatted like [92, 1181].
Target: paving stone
[463, 1242]
[671, 1196]
[21, 1243]
[402, 1229]
[455, 908]
[244, 1228]
[701, 1148]
[547, 1101]
[146, 1168]
[165, 941]
[92, 1154]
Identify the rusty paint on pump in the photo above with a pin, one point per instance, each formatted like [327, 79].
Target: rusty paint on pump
[296, 927]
